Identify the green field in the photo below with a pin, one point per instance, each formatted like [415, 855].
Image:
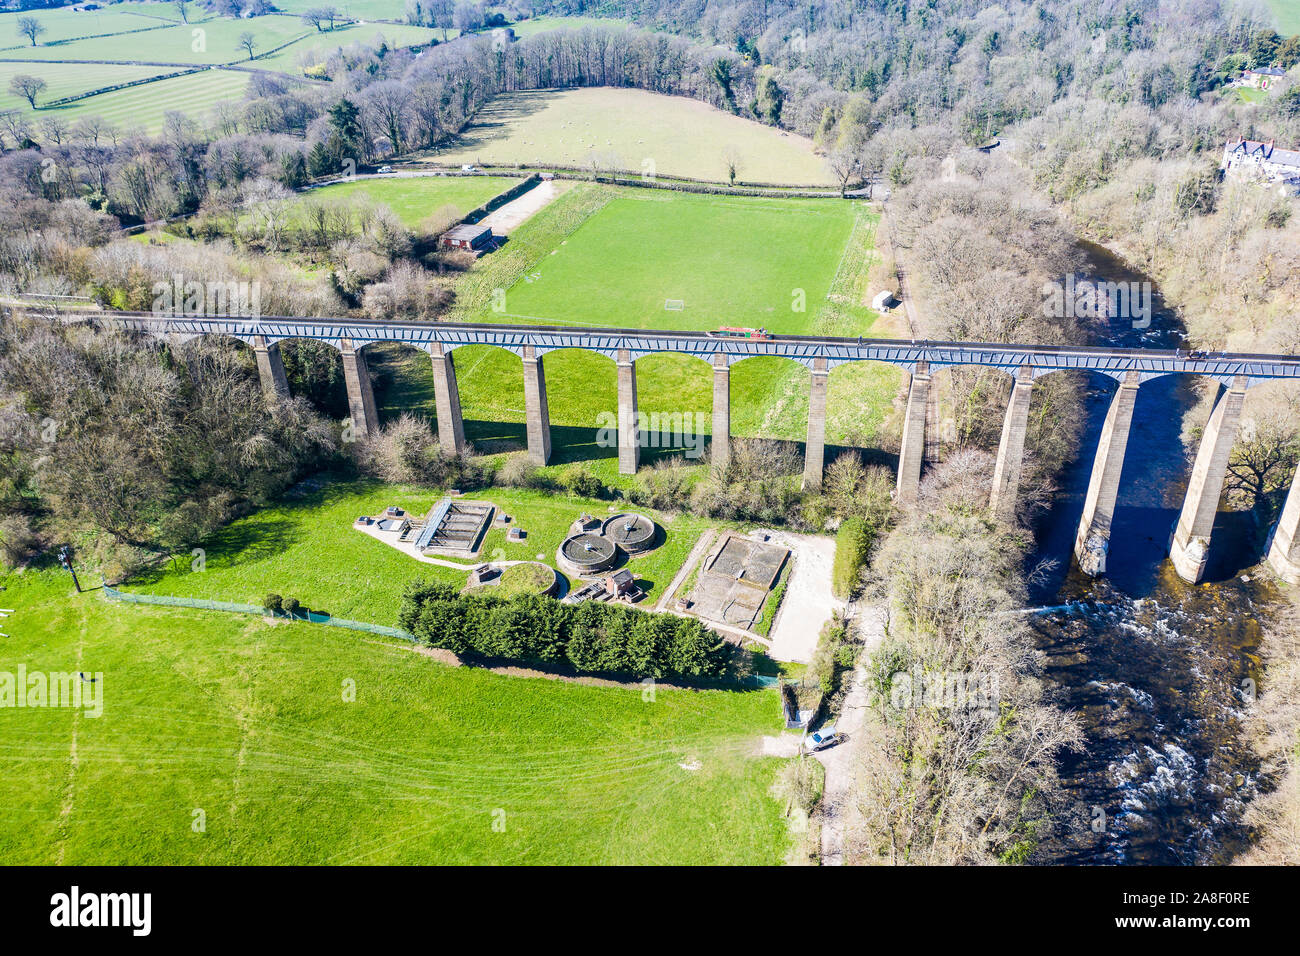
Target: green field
[143, 107]
[536, 25]
[317, 46]
[205, 40]
[728, 261]
[618, 253]
[226, 739]
[1287, 14]
[62, 80]
[633, 130]
[65, 23]
[214, 40]
[415, 199]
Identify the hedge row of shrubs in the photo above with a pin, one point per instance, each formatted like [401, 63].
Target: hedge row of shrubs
[632, 174]
[119, 86]
[851, 546]
[590, 636]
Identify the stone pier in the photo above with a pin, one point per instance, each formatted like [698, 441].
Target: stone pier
[814, 451]
[535, 408]
[446, 399]
[720, 448]
[912, 451]
[361, 397]
[629, 434]
[1011, 449]
[1284, 552]
[1092, 542]
[270, 368]
[1190, 545]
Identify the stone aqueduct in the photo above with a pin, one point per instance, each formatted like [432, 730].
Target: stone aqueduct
[1129, 367]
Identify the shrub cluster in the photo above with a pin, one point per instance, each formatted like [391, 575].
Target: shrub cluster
[851, 545]
[591, 636]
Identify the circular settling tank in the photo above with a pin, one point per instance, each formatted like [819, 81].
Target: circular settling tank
[587, 553]
[633, 533]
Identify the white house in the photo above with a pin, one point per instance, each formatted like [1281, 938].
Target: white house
[1249, 159]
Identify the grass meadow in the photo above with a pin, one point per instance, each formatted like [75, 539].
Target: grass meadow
[726, 260]
[229, 739]
[611, 256]
[307, 548]
[63, 80]
[65, 23]
[151, 33]
[417, 199]
[626, 128]
[143, 107]
[1287, 14]
[536, 25]
[210, 40]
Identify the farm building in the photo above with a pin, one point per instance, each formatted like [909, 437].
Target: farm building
[465, 236]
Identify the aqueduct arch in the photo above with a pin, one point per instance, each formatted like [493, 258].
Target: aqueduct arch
[1129, 366]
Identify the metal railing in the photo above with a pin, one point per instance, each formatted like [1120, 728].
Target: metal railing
[762, 681]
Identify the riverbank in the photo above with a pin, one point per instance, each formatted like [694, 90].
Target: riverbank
[1155, 666]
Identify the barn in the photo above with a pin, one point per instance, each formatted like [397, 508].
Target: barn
[465, 236]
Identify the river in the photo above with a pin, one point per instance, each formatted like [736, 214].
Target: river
[1158, 669]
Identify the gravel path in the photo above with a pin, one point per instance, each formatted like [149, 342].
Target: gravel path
[508, 217]
[808, 603]
[840, 761]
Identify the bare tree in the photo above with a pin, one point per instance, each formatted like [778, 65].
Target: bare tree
[319, 17]
[248, 41]
[14, 125]
[54, 129]
[27, 86]
[846, 164]
[183, 8]
[30, 27]
[732, 161]
[442, 15]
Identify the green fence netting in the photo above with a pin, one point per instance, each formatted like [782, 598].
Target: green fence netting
[309, 616]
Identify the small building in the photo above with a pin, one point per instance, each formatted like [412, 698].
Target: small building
[365, 520]
[622, 586]
[516, 534]
[1262, 78]
[467, 237]
[392, 511]
[584, 523]
[483, 573]
[884, 301]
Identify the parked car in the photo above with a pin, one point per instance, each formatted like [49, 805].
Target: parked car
[385, 169]
[821, 739]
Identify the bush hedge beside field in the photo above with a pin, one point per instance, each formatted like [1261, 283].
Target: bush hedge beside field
[851, 545]
[603, 638]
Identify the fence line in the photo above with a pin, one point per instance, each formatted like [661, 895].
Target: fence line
[311, 617]
[167, 600]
